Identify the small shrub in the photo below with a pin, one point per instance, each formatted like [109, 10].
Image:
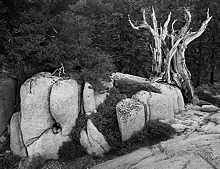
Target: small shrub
[106, 122]
[153, 133]
[106, 118]
[131, 88]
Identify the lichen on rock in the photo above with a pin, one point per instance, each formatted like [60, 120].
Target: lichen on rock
[131, 117]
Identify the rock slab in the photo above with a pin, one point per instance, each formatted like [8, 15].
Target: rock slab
[93, 141]
[131, 117]
[194, 152]
[159, 106]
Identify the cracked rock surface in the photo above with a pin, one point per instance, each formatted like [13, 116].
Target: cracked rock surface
[49, 109]
[196, 145]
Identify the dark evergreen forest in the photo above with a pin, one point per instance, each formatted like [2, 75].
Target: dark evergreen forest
[92, 38]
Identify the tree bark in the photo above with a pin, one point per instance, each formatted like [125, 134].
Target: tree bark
[174, 59]
[121, 79]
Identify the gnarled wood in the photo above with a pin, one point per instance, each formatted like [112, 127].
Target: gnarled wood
[170, 63]
[179, 61]
[125, 81]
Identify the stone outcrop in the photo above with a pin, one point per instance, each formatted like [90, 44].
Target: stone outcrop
[16, 140]
[191, 153]
[124, 81]
[209, 108]
[49, 108]
[47, 101]
[93, 141]
[197, 146]
[65, 104]
[174, 93]
[47, 145]
[7, 100]
[214, 118]
[36, 117]
[191, 149]
[159, 106]
[131, 117]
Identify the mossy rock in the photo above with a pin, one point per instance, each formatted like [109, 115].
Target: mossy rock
[106, 122]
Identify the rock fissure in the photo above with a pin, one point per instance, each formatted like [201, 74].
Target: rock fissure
[48, 99]
[22, 140]
[34, 139]
[145, 116]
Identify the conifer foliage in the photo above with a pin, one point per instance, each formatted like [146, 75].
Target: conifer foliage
[39, 35]
[48, 35]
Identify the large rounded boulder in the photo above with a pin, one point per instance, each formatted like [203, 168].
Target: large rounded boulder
[49, 108]
[159, 106]
[65, 103]
[174, 93]
[35, 112]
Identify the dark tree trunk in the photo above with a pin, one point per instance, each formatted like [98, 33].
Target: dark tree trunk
[211, 80]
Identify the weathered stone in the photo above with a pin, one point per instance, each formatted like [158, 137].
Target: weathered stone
[89, 99]
[159, 106]
[16, 140]
[193, 152]
[35, 114]
[175, 94]
[93, 141]
[64, 104]
[179, 127]
[131, 117]
[214, 118]
[209, 108]
[202, 102]
[193, 107]
[211, 128]
[208, 126]
[7, 101]
[47, 145]
[118, 76]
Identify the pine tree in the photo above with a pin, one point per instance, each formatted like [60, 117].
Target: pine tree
[48, 36]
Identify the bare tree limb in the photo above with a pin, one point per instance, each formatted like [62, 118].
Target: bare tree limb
[192, 36]
[170, 56]
[173, 33]
[143, 25]
[154, 19]
[188, 19]
[165, 27]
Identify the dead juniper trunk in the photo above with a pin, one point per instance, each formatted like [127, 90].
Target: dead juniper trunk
[169, 63]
